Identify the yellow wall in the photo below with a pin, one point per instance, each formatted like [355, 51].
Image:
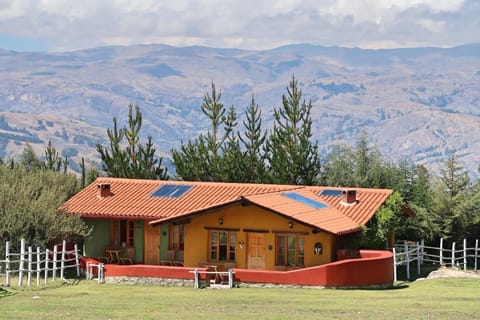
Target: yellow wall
[251, 217]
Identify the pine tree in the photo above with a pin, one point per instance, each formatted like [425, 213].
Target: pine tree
[253, 140]
[370, 171]
[452, 199]
[340, 167]
[115, 160]
[211, 157]
[53, 161]
[292, 156]
[136, 160]
[231, 160]
[29, 159]
[192, 160]
[422, 193]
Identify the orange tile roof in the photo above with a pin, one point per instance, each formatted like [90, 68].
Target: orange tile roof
[337, 218]
[131, 199]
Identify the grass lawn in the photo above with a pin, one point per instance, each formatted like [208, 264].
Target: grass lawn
[447, 298]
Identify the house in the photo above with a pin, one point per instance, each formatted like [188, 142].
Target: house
[249, 226]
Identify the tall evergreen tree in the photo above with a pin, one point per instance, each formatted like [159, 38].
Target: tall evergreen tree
[214, 156]
[422, 192]
[340, 167]
[136, 160]
[451, 201]
[253, 140]
[473, 228]
[291, 155]
[215, 112]
[232, 168]
[191, 161]
[29, 159]
[53, 161]
[370, 170]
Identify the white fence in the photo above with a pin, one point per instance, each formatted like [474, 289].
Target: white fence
[459, 256]
[29, 263]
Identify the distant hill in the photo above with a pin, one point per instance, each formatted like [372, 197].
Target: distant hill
[419, 103]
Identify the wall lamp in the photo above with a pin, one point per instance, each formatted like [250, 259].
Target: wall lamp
[290, 224]
[220, 221]
[241, 244]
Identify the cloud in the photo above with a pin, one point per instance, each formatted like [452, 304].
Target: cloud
[68, 25]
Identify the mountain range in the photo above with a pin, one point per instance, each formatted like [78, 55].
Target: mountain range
[420, 104]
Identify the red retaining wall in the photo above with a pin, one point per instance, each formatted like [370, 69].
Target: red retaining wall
[372, 268]
[140, 270]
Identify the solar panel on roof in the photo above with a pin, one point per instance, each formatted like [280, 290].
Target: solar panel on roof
[170, 191]
[307, 201]
[331, 193]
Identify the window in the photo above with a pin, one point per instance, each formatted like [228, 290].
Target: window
[176, 237]
[221, 246]
[290, 250]
[123, 233]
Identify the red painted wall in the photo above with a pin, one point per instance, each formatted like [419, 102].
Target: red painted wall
[167, 272]
[372, 268]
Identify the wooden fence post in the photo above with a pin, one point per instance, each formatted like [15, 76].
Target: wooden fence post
[441, 251]
[27, 263]
[230, 278]
[196, 280]
[29, 277]
[407, 260]
[7, 264]
[77, 260]
[101, 273]
[54, 266]
[422, 244]
[453, 255]
[39, 267]
[22, 262]
[476, 253]
[62, 263]
[418, 259]
[46, 265]
[394, 265]
[465, 254]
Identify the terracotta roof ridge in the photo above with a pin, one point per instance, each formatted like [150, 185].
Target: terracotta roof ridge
[210, 183]
[278, 187]
[127, 180]
[292, 188]
[352, 188]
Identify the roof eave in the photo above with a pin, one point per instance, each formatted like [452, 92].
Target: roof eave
[115, 217]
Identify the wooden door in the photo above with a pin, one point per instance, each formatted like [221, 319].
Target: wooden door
[152, 244]
[256, 251]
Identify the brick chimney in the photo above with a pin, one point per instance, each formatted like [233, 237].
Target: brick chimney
[349, 197]
[103, 190]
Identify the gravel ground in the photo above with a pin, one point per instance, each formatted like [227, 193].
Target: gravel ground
[451, 272]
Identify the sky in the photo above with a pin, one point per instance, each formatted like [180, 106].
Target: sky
[60, 25]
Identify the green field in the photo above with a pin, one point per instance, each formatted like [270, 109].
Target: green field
[447, 298]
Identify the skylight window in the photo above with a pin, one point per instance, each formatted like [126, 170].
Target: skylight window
[171, 191]
[331, 193]
[304, 200]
